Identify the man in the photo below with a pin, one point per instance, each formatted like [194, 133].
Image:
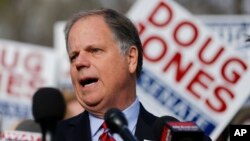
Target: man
[105, 55]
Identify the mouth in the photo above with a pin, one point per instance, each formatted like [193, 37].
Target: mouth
[88, 81]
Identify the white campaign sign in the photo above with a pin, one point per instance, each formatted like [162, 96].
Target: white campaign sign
[20, 136]
[63, 75]
[233, 29]
[188, 71]
[24, 68]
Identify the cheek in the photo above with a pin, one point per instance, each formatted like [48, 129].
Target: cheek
[113, 69]
[116, 72]
[73, 76]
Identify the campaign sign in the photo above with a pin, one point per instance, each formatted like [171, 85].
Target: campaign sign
[24, 68]
[63, 75]
[188, 71]
[233, 29]
[20, 136]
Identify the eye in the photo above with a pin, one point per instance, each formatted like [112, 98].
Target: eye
[95, 50]
[73, 56]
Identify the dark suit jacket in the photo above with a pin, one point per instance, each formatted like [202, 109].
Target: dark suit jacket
[78, 127]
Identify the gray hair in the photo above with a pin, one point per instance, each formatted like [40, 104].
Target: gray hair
[124, 31]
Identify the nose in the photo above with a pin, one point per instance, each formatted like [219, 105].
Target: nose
[82, 61]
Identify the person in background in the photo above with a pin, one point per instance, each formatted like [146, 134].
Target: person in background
[105, 54]
[73, 107]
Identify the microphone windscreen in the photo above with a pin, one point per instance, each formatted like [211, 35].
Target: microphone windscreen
[48, 105]
[115, 120]
[28, 126]
[159, 125]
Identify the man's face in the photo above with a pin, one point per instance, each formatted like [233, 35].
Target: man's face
[102, 76]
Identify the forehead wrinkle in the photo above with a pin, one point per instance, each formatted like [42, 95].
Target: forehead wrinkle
[90, 22]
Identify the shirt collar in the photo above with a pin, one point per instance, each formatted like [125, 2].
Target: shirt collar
[95, 124]
[131, 113]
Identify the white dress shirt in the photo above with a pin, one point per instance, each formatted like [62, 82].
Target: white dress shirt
[131, 113]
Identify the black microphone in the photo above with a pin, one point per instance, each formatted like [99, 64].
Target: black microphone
[167, 128]
[117, 123]
[48, 107]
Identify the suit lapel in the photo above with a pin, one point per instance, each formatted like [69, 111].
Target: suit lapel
[144, 127]
[80, 128]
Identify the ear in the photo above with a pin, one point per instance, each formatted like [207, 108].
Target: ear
[132, 59]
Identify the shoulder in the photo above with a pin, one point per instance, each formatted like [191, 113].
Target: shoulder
[145, 124]
[71, 121]
[146, 116]
[68, 128]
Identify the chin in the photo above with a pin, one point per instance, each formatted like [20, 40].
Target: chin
[92, 103]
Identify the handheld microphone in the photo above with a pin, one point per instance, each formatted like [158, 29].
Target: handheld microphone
[117, 123]
[48, 107]
[170, 129]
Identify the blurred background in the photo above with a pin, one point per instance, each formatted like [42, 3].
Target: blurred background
[32, 21]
